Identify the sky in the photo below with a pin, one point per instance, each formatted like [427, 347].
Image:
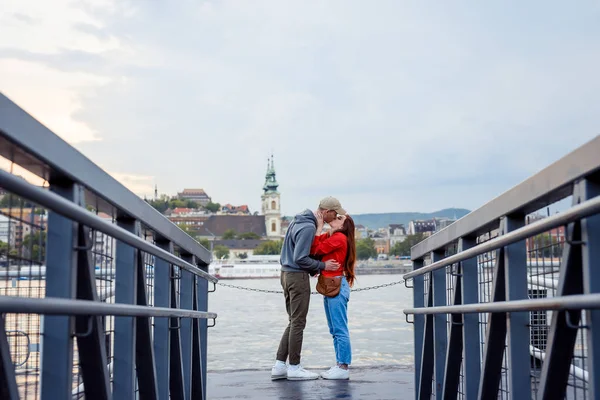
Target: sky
[387, 105]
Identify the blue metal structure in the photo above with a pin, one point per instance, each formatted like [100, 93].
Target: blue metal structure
[507, 300]
[76, 254]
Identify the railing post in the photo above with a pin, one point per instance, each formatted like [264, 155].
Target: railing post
[471, 342]
[202, 304]
[495, 340]
[186, 302]
[590, 230]
[418, 321]
[176, 381]
[561, 337]
[91, 345]
[8, 380]
[455, 342]
[61, 262]
[162, 298]
[427, 356]
[144, 353]
[126, 265]
[440, 327]
[515, 265]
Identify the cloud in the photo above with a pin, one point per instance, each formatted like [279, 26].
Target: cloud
[24, 18]
[391, 106]
[135, 183]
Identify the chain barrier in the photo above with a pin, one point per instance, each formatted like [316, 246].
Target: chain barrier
[281, 291]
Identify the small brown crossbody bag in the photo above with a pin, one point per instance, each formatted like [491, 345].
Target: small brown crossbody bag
[329, 286]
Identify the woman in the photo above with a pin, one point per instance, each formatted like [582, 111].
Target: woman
[339, 245]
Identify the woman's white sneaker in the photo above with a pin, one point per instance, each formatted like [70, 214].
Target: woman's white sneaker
[297, 373]
[336, 373]
[325, 373]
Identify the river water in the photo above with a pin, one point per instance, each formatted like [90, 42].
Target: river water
[250, 324]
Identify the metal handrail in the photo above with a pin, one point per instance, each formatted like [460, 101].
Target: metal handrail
[68, 209]
[36, 148]
[572, 302]
[548, 186]
[56, 306]
[585, 209]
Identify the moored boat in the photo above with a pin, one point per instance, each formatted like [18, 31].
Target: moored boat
[253, 267]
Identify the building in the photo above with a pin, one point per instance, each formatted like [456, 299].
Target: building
[441, 223]
[24, 219]
[185, 212]
[361, 232]
[426, 227]
[104, 248]
[215, 226]
[197, 195]
[397, 233]
[271, 205]
[546, 244]
[285, 224]
[237, 248]
[7, 230]
[381, 243]
[237, 210]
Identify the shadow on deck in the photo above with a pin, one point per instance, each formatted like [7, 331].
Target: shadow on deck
[382, 383]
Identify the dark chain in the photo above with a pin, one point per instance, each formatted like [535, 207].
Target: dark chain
[281, 291]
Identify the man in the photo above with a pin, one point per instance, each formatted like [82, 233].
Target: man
[296, 265]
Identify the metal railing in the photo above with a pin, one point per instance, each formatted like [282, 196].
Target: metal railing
[101, 296]
[507, 299]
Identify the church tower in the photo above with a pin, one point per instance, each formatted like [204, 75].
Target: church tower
[271, 206]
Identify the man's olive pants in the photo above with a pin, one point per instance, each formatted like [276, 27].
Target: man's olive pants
[296, 290]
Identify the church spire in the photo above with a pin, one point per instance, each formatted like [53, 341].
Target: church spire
[271, 184]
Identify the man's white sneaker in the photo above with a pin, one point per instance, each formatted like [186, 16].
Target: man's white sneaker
[336, 373]
[300, 374]
[279, 371]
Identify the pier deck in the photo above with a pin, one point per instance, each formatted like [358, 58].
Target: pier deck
[380, 383]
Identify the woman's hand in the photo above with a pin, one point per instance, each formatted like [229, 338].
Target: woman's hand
[320, 223]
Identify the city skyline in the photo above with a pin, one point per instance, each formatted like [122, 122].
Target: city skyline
[388, 106]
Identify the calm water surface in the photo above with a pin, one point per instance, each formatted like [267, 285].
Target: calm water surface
[250, 324]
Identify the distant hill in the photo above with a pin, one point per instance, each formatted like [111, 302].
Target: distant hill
[376, 221]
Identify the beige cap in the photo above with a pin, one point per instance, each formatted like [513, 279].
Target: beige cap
[331, 203]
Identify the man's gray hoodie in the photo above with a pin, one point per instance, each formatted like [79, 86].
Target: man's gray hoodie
[295, 252]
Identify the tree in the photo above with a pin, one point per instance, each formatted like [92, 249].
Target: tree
[4, 249]
[270, 247]
[159, 205]
[191, 204]
[164, 203]
[212, 207]
[545, 245]
[248, 235]
[365, 249]
[14, 201]
[221, 251]
[402, 249]
[243, 256]
[229, 234]
[34, 245]
[204, 242]
[186, 228]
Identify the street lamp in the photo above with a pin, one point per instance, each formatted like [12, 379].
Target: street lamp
[211, 243]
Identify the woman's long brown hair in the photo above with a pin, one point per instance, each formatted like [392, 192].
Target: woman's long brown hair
[348, 230]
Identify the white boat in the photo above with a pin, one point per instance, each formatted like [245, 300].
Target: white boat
[253, 267]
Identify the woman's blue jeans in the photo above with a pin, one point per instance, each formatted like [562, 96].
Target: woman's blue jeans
[336, 311]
